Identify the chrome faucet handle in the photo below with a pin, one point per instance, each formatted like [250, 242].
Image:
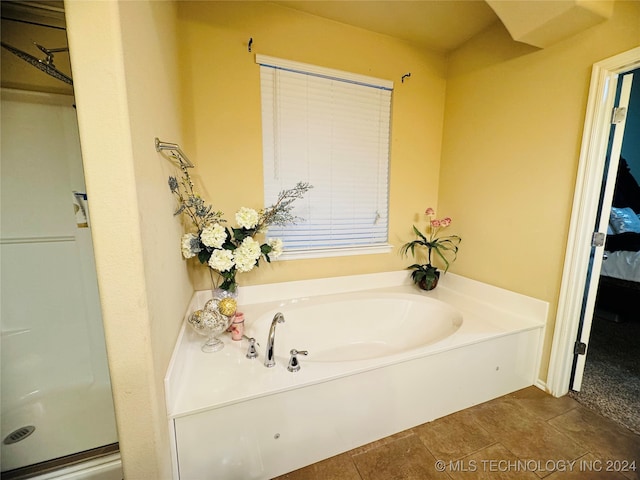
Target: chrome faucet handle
[294, 363]
[252, 352]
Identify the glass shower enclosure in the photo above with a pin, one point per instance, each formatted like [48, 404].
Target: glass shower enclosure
[56, 401]
[56, 405]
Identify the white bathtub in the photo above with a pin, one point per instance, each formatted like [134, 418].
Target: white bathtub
[357, 326]
[380, 361]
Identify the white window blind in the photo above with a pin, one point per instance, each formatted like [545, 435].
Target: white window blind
[331, 129]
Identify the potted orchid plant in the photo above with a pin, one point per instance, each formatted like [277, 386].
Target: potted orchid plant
[227, 250]
[445, 248]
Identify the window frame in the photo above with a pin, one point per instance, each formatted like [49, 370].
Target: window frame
[347, 77]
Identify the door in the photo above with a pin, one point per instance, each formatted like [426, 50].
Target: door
[54, 376]
[618, 123]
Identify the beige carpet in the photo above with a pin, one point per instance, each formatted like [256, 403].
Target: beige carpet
[611, 383]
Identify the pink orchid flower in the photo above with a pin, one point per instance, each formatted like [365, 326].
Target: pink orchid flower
[435, 223]
[430, 212]
[445, 222]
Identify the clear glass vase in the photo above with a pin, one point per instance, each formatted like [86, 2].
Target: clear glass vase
[215, 318]
[210, 323]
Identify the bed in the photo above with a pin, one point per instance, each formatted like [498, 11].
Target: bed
[619, 286]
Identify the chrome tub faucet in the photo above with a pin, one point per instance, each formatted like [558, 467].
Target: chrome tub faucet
[269, 356]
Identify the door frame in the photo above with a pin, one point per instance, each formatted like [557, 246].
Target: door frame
[586, 197]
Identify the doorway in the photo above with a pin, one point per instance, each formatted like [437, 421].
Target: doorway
[610, 383]
[579, 282]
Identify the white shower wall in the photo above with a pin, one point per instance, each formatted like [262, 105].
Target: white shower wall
[54, 372]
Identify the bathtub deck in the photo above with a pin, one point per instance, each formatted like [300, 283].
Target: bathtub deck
[347, 404]
[189, 394]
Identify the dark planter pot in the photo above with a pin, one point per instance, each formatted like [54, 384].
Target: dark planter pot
[430, 281]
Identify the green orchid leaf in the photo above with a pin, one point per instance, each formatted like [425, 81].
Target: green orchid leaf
[419, 234]
[444, 259]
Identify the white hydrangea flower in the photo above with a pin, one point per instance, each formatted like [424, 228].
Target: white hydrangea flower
[190, 245]
[247, 217]
[213, 235]
[221, 260]
[247, 254]
[276, 247]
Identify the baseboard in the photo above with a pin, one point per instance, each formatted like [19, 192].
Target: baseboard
[541, 385]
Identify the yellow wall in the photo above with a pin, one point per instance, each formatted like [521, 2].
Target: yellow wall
[513, 121]
[222, 119]
[126, 85]
[513, 126]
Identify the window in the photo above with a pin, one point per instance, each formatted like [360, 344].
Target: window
[331, 129]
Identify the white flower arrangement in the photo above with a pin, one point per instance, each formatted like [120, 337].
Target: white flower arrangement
[227, 250]
[247, 218]
[213, 236]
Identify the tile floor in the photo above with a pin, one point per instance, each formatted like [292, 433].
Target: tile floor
[525, 435]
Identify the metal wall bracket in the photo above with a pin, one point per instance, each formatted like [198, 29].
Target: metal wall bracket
[174, 152]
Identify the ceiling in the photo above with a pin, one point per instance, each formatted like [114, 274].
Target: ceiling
[440, 25]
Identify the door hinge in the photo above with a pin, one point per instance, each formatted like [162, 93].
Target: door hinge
[580, 348]
[598, 238]
[618, 115]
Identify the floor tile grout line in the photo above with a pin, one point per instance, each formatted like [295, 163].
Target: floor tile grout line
[563, 413]
[607, 419]
[610, 424]
[385, 440]
[356, 466]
